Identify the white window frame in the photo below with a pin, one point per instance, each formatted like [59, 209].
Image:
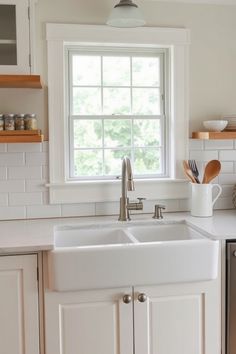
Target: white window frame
[177, 41]
[162, 117]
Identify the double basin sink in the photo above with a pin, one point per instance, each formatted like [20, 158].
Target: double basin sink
[110, 255]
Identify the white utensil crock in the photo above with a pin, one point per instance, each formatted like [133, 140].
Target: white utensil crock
[201, 201]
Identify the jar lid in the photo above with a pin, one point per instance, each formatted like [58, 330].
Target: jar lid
[30, 115]
[9, 115]
[20, 115]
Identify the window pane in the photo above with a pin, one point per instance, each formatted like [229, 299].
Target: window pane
[87, 133]
[113, 161]
[86, 70]
[146, 101]
[146, 71]
[116, 101]
[117, 132]
[116, 71]
[86, 101]
[87, 163]
[146, 161]
[146, 132]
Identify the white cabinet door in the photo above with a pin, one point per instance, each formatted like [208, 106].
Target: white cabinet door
[89, 322]
[14, 37]
[19, 329]
[178, 319]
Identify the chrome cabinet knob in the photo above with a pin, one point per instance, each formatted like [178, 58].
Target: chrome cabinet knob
[234, 253]
[142, 297]
[127, 299]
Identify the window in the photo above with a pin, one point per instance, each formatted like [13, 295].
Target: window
[169, 46]
[116, 109]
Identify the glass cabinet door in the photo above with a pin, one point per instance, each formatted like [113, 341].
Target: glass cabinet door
[14, 37]
[8, 52]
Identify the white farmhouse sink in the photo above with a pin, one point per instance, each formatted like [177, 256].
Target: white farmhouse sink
[125, 254]
[164, 232]
[90, 237]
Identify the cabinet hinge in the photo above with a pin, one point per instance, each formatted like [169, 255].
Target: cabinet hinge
[37, 274]
[28, 12]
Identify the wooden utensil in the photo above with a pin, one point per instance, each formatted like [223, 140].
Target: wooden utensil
[212, 170]
[188, 171]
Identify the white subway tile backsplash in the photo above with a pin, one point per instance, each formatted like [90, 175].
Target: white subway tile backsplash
[35, 185]
[184, 204]
[11, 213]
[224, 203]
[218, 144]
[3, 173]
[36, 158]
[203, 156]
[107, 208]
[27, 147]
[227, 179]
[86, 209]
[169, 204]
[12, 186]
[227, 167]
[26, 172]
[196, 144]
[25, 199]
[3, 199]
[12, 159]
[227, 191]
[227, 155]
[43, 211]
[3, 147]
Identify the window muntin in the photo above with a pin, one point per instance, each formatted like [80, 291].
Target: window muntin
[116, 109]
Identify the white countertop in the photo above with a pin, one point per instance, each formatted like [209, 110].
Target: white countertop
[20, 236]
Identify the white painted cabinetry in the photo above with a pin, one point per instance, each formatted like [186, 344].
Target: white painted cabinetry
[15, 36]
[89, 322]
[19, 328]
[173, 319]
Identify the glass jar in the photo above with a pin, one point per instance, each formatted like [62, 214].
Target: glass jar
[9, 121]
[20, 121]
[31, 121]
[1, 122]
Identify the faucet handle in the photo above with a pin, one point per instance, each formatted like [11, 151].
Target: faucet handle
[158, 211]
[141, 199]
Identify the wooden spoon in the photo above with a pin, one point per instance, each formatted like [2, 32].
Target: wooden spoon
[212, 170]
[188, 171]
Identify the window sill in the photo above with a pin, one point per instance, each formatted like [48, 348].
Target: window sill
[107, 191]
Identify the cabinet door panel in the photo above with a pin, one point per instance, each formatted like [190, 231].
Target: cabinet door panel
[178, 319]
[19, 305]
[88, 322]
[14, 37]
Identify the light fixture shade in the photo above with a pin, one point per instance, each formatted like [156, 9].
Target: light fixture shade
[126, 16]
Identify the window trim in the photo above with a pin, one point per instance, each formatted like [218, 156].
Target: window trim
[163, 56]
[177, 41]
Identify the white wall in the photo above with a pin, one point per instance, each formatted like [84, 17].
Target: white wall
[212, 52]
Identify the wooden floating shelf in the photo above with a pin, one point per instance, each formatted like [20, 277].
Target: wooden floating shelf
[20, 81]
[21, 136]
[214, 135]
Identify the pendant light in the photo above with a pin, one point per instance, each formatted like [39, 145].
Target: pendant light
[126, 14]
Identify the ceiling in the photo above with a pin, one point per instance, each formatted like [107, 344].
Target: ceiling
[213, 2]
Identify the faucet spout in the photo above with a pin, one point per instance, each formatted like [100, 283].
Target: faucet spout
[127, 184]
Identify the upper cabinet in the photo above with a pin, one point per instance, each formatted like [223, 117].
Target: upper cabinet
[15, 39]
